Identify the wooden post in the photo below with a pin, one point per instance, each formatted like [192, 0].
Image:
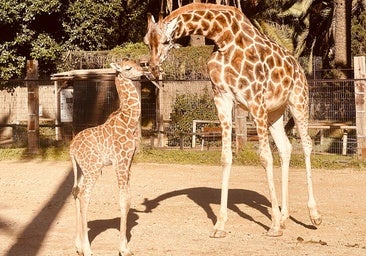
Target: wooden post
[240, 127]
[33, 106]
[360, 93]
[58, 131]
[159, 114]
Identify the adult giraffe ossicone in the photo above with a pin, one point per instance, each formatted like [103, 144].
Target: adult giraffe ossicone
[257, 73]
[113, 142]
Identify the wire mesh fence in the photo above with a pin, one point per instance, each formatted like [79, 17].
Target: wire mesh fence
[331, 111]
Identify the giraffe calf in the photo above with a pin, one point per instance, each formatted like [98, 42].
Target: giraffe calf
[113, 142]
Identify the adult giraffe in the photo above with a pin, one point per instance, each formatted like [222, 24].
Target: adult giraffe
[257, 73]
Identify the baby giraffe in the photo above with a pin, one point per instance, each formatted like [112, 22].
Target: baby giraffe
[113, 142]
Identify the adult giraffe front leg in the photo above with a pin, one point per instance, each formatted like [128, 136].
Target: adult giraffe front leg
[224, 105]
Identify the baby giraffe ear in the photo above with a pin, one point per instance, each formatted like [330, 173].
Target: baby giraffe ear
[116, 67]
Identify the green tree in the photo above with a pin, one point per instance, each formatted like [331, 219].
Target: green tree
[43, 29]
[22, 24]
[359, 28]
[103, 24]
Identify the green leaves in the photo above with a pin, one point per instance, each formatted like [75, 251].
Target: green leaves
[42, 29]
[359, 34]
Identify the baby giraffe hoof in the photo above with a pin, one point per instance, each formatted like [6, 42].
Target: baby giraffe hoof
[218, 234]
[274, 232]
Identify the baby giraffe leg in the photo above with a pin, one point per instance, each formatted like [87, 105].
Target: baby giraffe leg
[84, 199]
[125, 202]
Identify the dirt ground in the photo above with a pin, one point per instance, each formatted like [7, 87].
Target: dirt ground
[173, 211]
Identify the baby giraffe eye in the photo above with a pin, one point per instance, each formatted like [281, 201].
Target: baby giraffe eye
[128, 68]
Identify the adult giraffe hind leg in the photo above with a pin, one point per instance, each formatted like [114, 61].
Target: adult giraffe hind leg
[301, 120]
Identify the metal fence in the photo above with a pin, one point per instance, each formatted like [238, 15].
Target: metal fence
[332, 117]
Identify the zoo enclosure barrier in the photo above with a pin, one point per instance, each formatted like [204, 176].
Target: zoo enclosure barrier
[333, 111]
[332, 118]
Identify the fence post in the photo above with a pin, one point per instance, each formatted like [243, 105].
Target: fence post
[240, 127]
[159, 114]
[58, 130]
[33, 106]
[360, 93]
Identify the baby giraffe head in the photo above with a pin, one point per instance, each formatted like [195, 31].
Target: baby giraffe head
[128, 69]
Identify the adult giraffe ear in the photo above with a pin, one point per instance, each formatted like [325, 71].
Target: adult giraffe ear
[150, 20]
[160, 21]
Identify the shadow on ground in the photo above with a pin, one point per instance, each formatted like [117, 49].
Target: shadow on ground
[204, 196]
[97, 227]
[31, 238]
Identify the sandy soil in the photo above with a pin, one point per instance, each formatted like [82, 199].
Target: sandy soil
[173, 211]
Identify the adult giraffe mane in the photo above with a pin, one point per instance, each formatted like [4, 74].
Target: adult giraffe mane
[198, 7]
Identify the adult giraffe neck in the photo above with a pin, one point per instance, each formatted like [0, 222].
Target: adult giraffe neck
[217, 22]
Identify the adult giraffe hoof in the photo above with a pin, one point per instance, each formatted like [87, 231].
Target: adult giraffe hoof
[126, 253]
[283, 225]
[218, 234]
[316, 221]
[79, 252]
[274, 233]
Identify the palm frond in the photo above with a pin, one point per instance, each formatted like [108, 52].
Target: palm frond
[281, 34]
[298, 10]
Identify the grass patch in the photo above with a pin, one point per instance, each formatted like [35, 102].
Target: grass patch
[176, 156]
[247, 157]
[49, 153]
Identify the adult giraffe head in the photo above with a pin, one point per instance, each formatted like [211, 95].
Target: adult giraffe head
[159, 39]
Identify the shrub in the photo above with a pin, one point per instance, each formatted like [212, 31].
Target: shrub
[187, 63]
[186, 108]
[129, 50]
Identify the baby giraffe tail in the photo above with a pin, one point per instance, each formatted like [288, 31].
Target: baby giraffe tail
[75, 190]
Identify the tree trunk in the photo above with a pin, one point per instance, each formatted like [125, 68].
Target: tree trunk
[342, 36]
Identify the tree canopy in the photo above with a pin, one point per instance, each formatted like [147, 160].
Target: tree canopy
[44, 29]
